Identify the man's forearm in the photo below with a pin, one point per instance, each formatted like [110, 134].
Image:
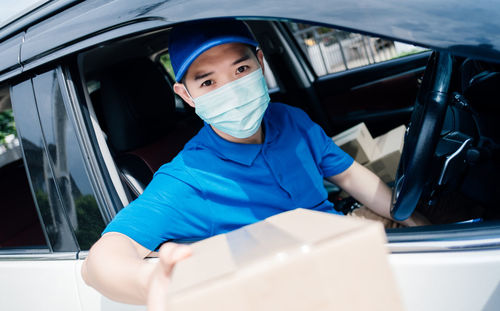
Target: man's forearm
[116, 269]
[372, 192]
[365, 187]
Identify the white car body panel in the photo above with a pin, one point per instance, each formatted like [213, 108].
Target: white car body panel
[38, 285]
[465, 280]
[462, 280]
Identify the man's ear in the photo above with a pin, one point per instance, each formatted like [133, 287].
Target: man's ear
[260, 58]
[181, 90]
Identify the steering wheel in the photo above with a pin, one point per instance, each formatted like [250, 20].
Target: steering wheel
[422, 136]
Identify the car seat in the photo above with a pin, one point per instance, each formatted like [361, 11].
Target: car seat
[137, 110]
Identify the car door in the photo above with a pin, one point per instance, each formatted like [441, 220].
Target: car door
[37, 248]
[417, 260]
[52, 213]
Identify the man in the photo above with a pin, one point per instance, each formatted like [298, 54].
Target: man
[251, 160]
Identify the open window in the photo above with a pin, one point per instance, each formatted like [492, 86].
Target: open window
[139, 123]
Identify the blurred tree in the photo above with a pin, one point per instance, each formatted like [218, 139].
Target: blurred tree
[7, 125]
[89, 227]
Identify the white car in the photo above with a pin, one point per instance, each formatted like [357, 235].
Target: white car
[94, 116]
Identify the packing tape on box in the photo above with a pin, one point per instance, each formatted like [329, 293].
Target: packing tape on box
[250, 243]
[241, 247]
[272, 240]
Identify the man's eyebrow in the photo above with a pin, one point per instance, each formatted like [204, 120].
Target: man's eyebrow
[203, 75]
[241, 59]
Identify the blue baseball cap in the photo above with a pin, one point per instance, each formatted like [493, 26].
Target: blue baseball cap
[188, 41]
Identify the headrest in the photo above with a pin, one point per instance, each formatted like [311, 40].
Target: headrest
[138, 104]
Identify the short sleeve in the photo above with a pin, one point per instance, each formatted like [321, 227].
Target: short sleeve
[331, 159]
[169, 209]
[334, 160]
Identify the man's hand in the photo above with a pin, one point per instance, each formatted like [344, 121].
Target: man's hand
[416, 219]
[372, 192]
[169, 254]
[365, 213]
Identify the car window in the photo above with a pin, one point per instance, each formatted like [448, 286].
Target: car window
[65, 158]
[20, 226]
[167, 64]
[331, 50]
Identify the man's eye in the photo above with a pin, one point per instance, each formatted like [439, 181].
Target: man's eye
[242, 69]
[207, 83]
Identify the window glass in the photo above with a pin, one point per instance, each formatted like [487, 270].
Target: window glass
[66, 160]
[167, 64]
[55, 223]
[331, 50]
[19, 222]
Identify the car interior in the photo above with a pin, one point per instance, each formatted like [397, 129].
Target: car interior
[144, 124]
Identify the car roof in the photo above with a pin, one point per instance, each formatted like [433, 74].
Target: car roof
[463, 27]
[18, 12]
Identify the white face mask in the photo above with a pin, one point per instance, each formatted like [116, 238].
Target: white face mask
[236, 108]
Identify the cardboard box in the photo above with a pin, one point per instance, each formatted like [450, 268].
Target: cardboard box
[297, 260]
[357, 142]
[387, 152]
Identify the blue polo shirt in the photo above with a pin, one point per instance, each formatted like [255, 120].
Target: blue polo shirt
[214, 186]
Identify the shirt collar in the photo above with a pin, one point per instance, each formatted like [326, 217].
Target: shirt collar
[271, 130]
[236, 152]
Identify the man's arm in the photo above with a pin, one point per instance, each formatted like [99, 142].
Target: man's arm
[371, 191]
[116, 268]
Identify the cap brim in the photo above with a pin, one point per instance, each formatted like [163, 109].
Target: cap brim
[206, 46]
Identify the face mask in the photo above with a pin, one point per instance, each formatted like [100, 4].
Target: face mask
[236, 108]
